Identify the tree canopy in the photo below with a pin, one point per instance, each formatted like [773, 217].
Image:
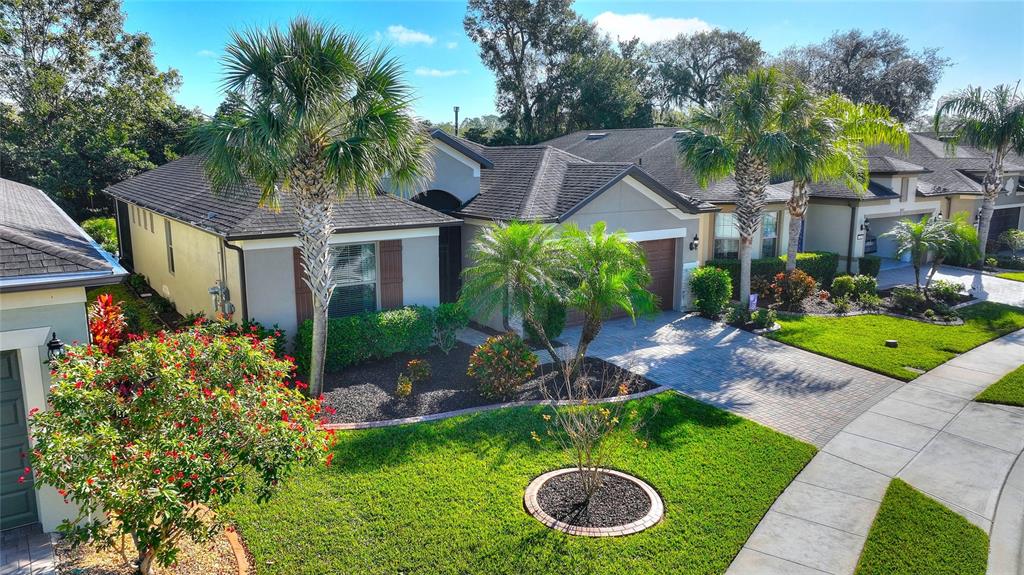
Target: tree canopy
[691, 68]
[82, 105]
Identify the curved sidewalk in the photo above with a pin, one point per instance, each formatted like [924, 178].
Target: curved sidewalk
[930, 434]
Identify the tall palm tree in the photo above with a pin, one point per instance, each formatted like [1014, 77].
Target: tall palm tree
[919, 239]
[606, 272]
[993, 121]
[746, 135]
[319, 117]
[830, 134]
[516, 269]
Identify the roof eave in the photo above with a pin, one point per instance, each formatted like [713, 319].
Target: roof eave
[341, 231]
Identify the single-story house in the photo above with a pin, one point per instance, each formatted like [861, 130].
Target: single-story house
[46, 264]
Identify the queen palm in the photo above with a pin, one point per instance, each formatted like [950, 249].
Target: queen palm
[993, 121]
[745, 135]
[830, 134]
[319, 117]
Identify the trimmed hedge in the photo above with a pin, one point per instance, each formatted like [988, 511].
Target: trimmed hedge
[819, 265]
[869, 265]
[376, 335]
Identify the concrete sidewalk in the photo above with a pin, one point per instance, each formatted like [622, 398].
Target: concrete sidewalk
[981, 286]
[930, 434]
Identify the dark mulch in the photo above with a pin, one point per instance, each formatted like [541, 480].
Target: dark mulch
[366, 392]
[817, 306]
[617, 502]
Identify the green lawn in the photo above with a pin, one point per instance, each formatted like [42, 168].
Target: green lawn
[138, 315]
[447, 497]
[1016, 276]
[860, 340]
[1009, 390]
[916, 535]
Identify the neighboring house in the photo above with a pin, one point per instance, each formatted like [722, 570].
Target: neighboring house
[46, 263]
[223, 253]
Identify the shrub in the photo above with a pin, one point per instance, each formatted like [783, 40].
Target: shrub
[819, 265]
[448, 319]
[153, 441]
[159, 303]
[843, 286]
[864, 285]
[737, 315]
[908, 299]
[106, 324]
[418, 370]
[376, 335]
[711, 288]
[764, 318]
[404, 387]
[551, 315]
[1013, 239]
[251, 327]
[947, 291]
[869, 265]
[870, 301]
[502, 364]
[841, 304]
[1010, 263]
[991, 262]
[138, 283]
[792, 288]
[104, 231]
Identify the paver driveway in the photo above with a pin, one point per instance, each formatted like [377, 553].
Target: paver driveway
[794, 391]
[981, 286]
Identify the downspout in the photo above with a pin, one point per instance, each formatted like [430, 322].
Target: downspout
[853, 235]
[241, 277]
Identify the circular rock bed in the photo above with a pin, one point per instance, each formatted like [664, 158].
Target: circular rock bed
[623, 505]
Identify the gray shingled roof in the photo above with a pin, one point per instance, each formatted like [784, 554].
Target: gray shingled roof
[546, 183]
[890, 165]
[38, 239]
[656, 151]
[180, 190]
[837, 190]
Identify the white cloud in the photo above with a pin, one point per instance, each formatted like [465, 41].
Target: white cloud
[404, 35]
[451, 45]
[646, 27]
[435, 73]
[206, 54]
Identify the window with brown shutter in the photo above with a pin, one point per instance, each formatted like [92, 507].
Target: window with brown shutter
[391, 274]
[303, 296]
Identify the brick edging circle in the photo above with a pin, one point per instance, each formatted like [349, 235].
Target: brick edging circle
[468, 410]
[654, 514]
[238, 548]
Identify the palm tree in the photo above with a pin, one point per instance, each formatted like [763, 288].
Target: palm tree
[319, 117]
[606, 272]
[830, 134]
[992, 121]
[516, 270]
[920, 238]
[961, 244]
[745, 135]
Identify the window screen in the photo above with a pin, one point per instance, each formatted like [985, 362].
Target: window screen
[727, 237]
[170, 246]
[770, 235]
[355, 279]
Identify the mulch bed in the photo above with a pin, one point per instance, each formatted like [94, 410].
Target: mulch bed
[814, 305]
[214, 557]
[366, 392]
[618, 501]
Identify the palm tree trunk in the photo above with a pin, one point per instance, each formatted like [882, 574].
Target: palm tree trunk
[591, 327]
[992, 185]
[797, 206]
[752, 174]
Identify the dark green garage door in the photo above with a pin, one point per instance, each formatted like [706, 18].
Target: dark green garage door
[17, 500]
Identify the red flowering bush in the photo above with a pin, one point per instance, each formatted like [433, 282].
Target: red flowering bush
[106, 324]
[150, 442]
[790, 289]
[501, 364]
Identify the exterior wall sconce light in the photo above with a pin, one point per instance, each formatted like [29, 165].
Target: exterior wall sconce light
[695, 243]
[54, 348]
[866, 226]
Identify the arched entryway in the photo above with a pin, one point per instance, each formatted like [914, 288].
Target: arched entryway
[449, 243]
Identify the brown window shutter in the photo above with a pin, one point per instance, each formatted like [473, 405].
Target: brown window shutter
[390, 264]
[303, 296]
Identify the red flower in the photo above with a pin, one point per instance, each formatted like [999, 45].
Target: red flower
[330, 458]
[284, 415]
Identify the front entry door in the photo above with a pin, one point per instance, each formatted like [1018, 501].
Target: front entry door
[17, 500]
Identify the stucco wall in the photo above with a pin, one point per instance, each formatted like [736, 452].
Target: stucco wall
[270, 288]
[625, 207]
[783, 231]
[453, 173]
[420, 265]
[826, 228]
[41, 313]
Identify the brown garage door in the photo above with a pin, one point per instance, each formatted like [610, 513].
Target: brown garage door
[661, 262]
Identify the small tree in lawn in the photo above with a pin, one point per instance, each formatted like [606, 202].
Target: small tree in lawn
[151, 440]
[919, 239]
[1013, 240]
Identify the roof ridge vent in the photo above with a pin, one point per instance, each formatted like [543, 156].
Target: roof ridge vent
[596, 135]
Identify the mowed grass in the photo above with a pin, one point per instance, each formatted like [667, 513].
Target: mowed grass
[916, 535]
[447, 497]
[1015, 276]
[860, 340]
[1009, 390]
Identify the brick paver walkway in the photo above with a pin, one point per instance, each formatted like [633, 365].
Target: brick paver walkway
[982, 286]
[794, 391]
[26, 551]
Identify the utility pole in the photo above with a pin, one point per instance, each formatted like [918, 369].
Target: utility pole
[456, 108]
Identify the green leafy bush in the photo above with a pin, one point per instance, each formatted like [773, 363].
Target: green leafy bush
[104, 231]
[404, 387]
[1010, 263]
[501, 364]
[138, 283]
[376, 335]
[908, 299]
[841, 304]
[947, 291]
[870, 301]
[791, 289]
[820, 265]
[764, 318]
[869, 265]
[864, 285]
[738, 315]
[843, 286]
[711, 288]
[448, 319]
[418, 369]
[552, 317]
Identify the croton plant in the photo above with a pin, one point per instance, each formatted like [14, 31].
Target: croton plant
[151, 436]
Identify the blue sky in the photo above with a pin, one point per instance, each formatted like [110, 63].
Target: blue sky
[443, 65]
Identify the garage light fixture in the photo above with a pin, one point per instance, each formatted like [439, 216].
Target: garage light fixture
[54, 348]
[695, 243]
